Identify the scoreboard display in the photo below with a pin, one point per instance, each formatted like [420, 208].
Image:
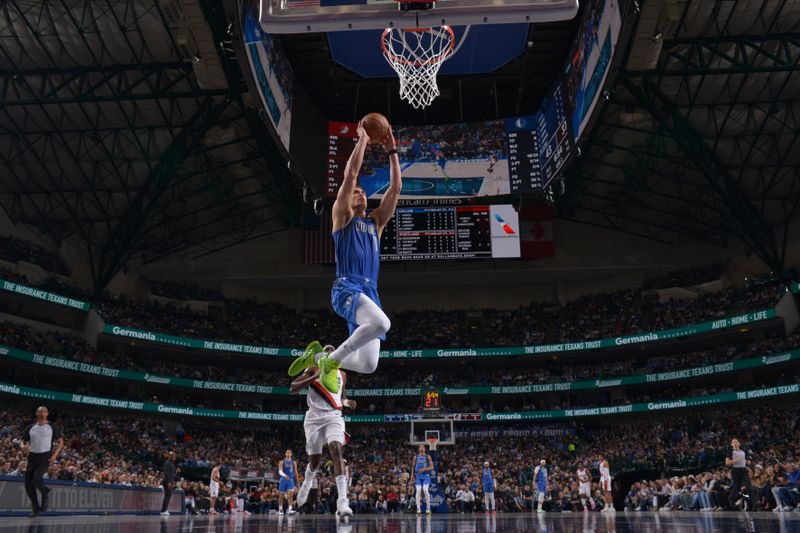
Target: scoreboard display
[341, 141]
[432, 400]
[451, 232]
[539, 146]
[555, 143]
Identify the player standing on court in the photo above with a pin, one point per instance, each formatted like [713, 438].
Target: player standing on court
[354, 295]
[488, 489]
[584, 485]
[287, 469]
[324, 425]
[605, 484]
[423, 466]
[540, 478]
[213, 488]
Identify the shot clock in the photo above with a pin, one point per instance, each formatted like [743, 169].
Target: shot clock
[432, 400]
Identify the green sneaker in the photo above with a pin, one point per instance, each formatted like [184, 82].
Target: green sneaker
[307, 360]
[328, 376]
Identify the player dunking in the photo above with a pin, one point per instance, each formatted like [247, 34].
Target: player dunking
[287, 469]
[423, 466]
[324, 425]
[605, 485]
[354, 295]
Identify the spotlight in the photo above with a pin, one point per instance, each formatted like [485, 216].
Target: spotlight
[658, 36]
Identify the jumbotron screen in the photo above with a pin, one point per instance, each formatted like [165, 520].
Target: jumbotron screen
[451, 232]
[446, 161]
[463, 160]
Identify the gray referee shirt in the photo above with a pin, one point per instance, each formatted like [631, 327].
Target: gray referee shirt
[738, 459]
[41, 437]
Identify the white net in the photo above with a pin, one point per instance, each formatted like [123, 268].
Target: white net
[416, 55]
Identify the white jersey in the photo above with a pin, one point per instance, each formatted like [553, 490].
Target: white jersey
[583, 475]
[322, 402]
[605, 472]
[213, 486]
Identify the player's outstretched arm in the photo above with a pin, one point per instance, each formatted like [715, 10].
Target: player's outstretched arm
[346, 402]
[385, 211]
[304, 380]
[342, 207]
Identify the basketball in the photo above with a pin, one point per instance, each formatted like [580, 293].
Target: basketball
[377, 127]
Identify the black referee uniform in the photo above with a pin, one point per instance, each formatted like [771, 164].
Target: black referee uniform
[40, 438]
[168, 482]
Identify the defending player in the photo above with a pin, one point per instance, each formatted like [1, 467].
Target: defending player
[213, 488]
[488, 489]
[287, 469]
[324, 425]
[584, 485]
[605, 485]
[540, 478]
[354, 294]
[423, 466]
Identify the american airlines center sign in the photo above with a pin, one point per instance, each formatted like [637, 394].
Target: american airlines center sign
[66, 497]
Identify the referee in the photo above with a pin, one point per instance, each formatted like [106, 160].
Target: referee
[38, 441]
[168, 482]
[739, 476]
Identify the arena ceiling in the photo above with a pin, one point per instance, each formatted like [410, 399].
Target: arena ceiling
[125, 125]
[699, 139]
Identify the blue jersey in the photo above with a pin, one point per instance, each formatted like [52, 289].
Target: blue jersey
[288, 468]
[541, 477]
[488, 480]
[422, 462]
[357, 266]
[358, 250]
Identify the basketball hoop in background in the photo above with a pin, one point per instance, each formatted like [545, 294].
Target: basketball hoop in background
[417, 54]
[432, 436]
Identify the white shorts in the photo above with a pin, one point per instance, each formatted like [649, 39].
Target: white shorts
[213, 489]
[585, 489]
[322, 431]
[605, 484]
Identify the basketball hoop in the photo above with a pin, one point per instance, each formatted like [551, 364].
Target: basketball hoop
[417, 54]
[432, 442]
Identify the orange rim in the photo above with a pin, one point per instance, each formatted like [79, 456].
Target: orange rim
[405, 61]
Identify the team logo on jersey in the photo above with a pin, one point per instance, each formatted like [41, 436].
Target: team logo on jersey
[504, 225]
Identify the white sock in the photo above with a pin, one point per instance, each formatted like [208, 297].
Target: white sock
[341, 487]
[361, 350]
[427, 498]
[419, 497]
[310, 475]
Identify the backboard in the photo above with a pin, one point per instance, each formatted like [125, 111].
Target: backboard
[302, 16]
